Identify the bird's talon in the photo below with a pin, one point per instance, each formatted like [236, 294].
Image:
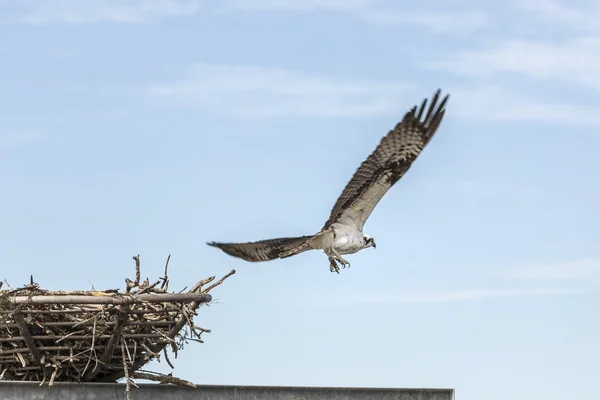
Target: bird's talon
[336, 262]
[333, 266]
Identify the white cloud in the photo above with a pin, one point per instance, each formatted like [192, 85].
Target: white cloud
[582, 269]
[582, 16]
[552, 46]
[436, 20]
[482, 101]
[443, 296]
[460, 17]
[240, 90]
[256, 91]
[574, 61]
[299, 5]
[83, 12]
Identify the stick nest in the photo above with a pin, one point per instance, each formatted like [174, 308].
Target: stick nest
[97, 336]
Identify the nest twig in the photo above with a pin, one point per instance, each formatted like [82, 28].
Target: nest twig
[97, 336]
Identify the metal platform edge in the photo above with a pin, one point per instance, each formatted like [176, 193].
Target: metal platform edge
[12, 390]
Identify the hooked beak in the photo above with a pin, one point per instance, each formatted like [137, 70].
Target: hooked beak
[374, 245]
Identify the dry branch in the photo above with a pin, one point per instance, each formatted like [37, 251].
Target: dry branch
[220, 281]
[162, 378]
[108, 350]
[33, 349]
[115, 299]
[126, 372]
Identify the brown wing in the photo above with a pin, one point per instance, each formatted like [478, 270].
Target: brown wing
[387, 164]
[263, 250]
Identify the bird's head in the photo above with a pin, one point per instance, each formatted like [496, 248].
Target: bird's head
[369, 241]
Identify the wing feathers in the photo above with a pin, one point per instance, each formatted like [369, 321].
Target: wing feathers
[388, 163]
[414, 109]
[376, 175]
[427, 121]
[263, 250]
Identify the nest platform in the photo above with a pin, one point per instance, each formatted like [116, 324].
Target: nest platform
[97, 336]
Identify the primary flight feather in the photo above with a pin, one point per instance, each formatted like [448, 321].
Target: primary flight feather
[343, 231]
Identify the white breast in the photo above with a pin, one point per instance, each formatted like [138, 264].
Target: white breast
[348, 240]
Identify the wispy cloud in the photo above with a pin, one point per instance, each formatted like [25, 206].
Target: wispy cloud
[532, 281]
[298, 5]
[581, 269]
[437, 22]
[441, 296]
[579, 16]
[549, 72]
[84, 12]
[461, 17]
[574, 61]
[257, 91]
[435, 19]
[484, 101]
[438, 19]
[252, 91]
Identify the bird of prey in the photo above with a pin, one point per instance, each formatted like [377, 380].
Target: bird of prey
[343, 231]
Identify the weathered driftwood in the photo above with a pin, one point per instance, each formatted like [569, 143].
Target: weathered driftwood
[87, 308]
[186, 318]
[88, 323]
[80, 336]
[35, 352]
[114, 299]
[154, 376]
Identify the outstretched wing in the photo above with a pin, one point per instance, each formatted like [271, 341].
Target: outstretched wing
[263, 250]
[387, 164]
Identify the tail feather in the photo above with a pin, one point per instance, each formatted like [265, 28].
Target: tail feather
[296, 250]
[265, 250]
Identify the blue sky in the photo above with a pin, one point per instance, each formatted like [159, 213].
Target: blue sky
[152, 127]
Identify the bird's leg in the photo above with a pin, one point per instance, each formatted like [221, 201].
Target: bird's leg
[333, 265]
[334, 259]
[333, 262]
[340, 259]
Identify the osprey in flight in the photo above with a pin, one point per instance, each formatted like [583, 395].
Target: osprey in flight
[343, 231]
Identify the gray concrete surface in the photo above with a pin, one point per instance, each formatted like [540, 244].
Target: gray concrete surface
[112, 391]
